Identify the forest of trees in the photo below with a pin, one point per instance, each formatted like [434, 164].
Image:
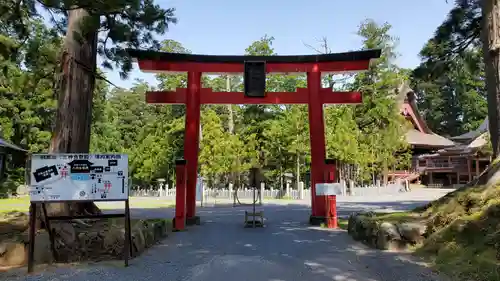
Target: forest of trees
[450, 90]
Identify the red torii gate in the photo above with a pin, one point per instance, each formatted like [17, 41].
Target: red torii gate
[314, 95]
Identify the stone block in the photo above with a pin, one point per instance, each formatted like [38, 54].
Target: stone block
[388, 237]
[412, 232]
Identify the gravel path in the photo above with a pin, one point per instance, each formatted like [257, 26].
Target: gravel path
[287, 249]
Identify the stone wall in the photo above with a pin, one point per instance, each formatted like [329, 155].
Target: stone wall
[98, 240]
[366, 227]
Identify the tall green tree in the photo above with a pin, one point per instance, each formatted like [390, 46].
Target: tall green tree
[380, 124]
[453, 100]
[123, 24]
[472, 24]
[27, 103]
[214, 159]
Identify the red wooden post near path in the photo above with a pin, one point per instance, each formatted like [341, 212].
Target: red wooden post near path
[314, 96]
[180, 195]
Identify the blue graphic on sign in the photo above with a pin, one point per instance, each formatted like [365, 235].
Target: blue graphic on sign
[80, 177]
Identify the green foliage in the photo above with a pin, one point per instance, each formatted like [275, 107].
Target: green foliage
[121, 24]
[379, 126]
[275, 137]
[27, 103]
[450, 81]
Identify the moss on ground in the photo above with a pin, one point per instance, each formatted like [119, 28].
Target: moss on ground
[342, 223]
[463, 233]
[399, 217]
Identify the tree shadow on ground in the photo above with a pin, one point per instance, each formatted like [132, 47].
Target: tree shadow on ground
[344, 209]
[286, 249]
[290, 246]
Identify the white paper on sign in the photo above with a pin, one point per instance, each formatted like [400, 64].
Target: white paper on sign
[323, 189]
[68, 177]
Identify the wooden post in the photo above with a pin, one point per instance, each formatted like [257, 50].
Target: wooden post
[127, 239]
[31, 249]
[49, 231]
[477, 167]
[469, 163]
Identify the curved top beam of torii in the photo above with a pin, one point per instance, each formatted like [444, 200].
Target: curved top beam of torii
[153, 61]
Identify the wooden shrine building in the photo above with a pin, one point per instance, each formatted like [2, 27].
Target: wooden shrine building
[438, 161]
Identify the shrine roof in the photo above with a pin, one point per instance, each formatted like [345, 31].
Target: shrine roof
[417, 138]
[318, 58]
[473, 134]
[461, 149]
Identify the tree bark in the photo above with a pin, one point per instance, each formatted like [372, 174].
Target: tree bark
[491, 48]
[75, 90]
[491, 53]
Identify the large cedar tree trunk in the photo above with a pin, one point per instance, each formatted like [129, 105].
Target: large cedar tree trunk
[491, 53]
[75, 90]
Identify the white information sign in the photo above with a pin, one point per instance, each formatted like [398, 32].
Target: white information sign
[199, 189]
[86, 177]
[328, 189]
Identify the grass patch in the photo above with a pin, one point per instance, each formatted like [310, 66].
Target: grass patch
[399, 217]
[279, 198]
[14, 204]
[342, 223]
[21, 204]
[139, 203]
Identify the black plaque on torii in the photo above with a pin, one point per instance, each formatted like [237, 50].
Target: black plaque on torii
[255, 79]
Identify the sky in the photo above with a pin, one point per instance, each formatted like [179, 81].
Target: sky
[227, 27]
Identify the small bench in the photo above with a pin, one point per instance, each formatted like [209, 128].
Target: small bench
[254, 219]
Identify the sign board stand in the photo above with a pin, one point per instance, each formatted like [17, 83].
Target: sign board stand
[77, 178]
[257, 218]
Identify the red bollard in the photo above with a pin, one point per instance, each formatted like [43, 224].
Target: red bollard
[331, 215]
[180, 195]
[331, 200]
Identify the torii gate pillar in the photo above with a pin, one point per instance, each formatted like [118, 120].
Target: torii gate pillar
[192, 143]
[317, 139]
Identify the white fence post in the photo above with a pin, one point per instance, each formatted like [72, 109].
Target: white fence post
[262, 189]
[349, 188]
[343, 186]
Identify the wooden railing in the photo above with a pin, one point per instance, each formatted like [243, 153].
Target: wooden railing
[456, 164]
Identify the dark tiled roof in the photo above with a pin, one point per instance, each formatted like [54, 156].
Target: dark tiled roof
[473, 134]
